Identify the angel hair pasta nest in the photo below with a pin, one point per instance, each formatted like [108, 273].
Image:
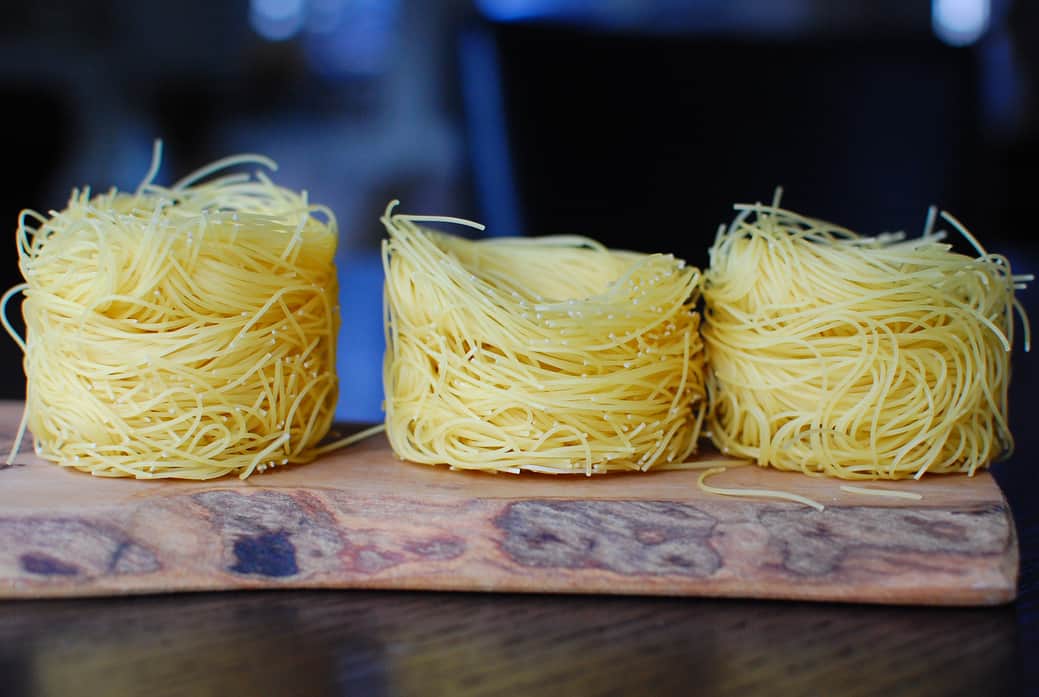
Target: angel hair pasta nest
[856, 357]
[549, 354]
[187, 331]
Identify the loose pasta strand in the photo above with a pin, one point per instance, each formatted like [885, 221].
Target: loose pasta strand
[552, 355]
[752, 493]
[889, 493]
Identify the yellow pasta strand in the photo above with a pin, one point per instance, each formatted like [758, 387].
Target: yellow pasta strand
[182, 332]
[752, 493]
[551, 354]
[889, 493]
[856, 357]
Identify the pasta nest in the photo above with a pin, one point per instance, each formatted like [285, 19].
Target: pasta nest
[550, 354]
[182, 332]
[856, 357]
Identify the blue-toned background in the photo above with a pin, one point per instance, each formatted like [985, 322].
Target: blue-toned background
[638, 122]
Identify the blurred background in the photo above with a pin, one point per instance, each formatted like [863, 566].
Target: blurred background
[638, 122]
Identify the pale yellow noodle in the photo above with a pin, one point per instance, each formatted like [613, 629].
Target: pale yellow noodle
[182, 332]
[890, 493]
[856, 357]
[552, 355]
[752, 493]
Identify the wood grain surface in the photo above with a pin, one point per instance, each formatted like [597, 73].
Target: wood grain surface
[402, 644]
[362, 519]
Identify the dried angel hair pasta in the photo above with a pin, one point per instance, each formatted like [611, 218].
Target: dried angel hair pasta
[856, 357]
[549, 354]
[185, 332]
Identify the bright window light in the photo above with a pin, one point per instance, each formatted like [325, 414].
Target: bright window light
[276, 20]
[960, 22]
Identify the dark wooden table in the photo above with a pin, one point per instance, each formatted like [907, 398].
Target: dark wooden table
[382, 643]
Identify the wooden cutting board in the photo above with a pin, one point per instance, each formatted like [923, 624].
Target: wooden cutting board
[363, 519]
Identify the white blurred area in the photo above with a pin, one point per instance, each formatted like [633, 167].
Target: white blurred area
[960, 22]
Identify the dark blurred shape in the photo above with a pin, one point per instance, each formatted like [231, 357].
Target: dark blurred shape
[488, 135]
[1020, 150]
[646, 141]
[39, 119]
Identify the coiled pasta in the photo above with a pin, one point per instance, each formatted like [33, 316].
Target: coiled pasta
[549, 354]
[856, 357]
[186, 332]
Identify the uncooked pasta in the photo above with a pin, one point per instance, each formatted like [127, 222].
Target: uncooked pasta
[856, 357]
[186, 332]
[751, 492]
[551, 354]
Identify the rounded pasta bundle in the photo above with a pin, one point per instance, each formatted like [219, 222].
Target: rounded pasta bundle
[856, 357]
[181, 332]
[549, 354]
